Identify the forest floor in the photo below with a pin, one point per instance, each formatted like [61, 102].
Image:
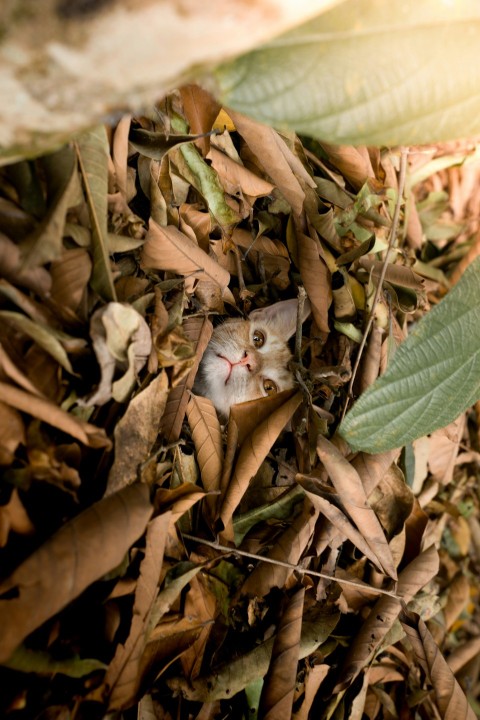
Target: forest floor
[157, 562]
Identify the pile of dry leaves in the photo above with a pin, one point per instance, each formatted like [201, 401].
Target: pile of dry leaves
[157, 564]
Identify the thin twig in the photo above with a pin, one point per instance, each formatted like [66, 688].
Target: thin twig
[391, 243]
[302, 295]
[297, 568]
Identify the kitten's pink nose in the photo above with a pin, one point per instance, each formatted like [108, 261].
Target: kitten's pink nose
[248, 361]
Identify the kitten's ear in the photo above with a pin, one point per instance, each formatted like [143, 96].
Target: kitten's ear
[282, 316]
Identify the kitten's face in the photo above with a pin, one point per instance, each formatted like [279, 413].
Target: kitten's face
[247, 359]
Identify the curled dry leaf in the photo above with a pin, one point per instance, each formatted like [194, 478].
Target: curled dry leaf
[372, 468]
[207, 437]
[136, 433]
[122, 341]
[315, 276]
[280, 681]
[265, 143]
[338, 520]
[384, 613]
[93, 155]
[236, 177]
[352, 493]
[166, 248]
[53, 415]
[123, 677]
[78, 554]
[396, 274]
[199, 332]
[351, 162]
[451, 701]
[120, 156]
[198, 221]
[202, 606]
[252, 453]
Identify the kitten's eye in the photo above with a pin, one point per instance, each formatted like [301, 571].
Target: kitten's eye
[270, 387]
[258, 339]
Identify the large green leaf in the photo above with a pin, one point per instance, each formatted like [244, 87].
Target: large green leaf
[367, 71]
[433, 377]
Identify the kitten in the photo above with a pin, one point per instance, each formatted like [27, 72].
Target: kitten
[248, 359]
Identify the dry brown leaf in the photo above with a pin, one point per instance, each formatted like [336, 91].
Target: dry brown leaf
[10, 370]
[314, 677]
[70, 276]
[372, 468]
[123, 674]
[166, 248]
[198, 331]
[279, 684]
[252, 453]
[243, 420]
[13, 516]
[12, 433]
[50, 413]
[264, 142]
[316, 279]
[462, 655]
[37, 279]
[136, 433]
[122, 341]
[235, 177]
[168, 641]
[288, 548]
[198, 221]
[351, 162]
[179, 500]
[338, 520]
[207, 438]
[45, 243]
[354, 499]
[364, 645]
[444, 445]
[451, 701]
[120, 156]
[201, 607]
[392, 500]
[201, 111]
[396, 274]
[78, 554]
[458, 598]
[259, 244]
[234, 676]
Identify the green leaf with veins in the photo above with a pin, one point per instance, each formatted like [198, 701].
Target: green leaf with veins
[367, 71]
[433, 377]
